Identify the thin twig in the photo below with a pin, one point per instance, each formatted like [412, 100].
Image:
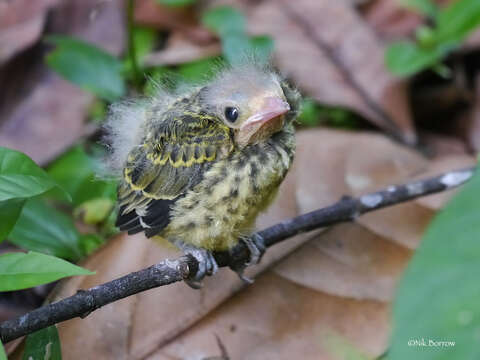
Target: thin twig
[169, 271]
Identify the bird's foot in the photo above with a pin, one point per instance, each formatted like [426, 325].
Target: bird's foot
[207, 266]
[256, 247]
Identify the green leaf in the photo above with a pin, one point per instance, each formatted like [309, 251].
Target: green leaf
[406, 58]
[90, 242]
[310, 115]
[3, 356]
[426, 7]
[87, 66]
[224, 20]
[437, 299]
[262, 47]
[94, 211]
[457, 20]
[176, 2]
[43, 344]
[144, 40]
[21, 271]
[200, 70]
[9, 213]
[44, 229]
[21, 178]
[75, 171]
[235, 46]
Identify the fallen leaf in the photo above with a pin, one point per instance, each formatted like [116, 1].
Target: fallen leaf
[21, 24]
[42, 114]
[180, 49]
[390, 19]
[339, 281]
[336, 62]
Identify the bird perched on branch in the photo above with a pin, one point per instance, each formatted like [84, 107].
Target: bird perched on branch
[198, 165]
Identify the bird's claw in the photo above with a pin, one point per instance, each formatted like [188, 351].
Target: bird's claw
[207, 266]
[256, 247]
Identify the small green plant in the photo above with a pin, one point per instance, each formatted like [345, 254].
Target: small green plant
[452, 25]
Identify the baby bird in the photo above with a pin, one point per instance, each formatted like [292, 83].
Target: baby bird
[203, 163]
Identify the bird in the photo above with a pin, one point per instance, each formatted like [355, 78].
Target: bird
[197, 165]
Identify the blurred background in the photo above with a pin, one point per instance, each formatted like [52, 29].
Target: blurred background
[391, 92]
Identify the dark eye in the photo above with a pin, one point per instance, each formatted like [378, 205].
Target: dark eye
[231, 113]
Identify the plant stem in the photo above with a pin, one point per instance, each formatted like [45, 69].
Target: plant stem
[132, 54]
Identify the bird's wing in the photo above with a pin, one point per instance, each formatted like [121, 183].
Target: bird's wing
[160, 171]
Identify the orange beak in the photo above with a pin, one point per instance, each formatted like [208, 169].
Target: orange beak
[261, 124]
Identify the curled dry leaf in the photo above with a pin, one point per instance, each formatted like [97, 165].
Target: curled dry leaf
[339, 282]
[21, 24]
[335, 57]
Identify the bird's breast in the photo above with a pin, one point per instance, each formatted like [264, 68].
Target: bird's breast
[224, 205]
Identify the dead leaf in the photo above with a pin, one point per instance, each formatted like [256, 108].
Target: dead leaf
[21, 24]
[340, 281]
[181, 50]
[390, 19]
[336, 62]
[42, 114]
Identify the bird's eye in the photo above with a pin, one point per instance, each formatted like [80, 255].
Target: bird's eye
[231, 113]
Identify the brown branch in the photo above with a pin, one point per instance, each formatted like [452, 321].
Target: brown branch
[169, 271]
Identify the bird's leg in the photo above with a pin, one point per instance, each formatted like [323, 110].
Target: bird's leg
[256, 247]
[206, 263]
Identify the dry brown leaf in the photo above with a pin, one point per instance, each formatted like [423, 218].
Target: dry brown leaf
[42, 114]
[21, 23]
[180, 50]
[340, 282]
[336, 62]
[390, 19]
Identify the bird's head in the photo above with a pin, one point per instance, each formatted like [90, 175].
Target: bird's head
[249, 100]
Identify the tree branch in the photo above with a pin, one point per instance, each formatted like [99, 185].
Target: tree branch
[169, 271]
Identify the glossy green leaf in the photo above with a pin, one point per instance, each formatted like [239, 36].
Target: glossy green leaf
[87, 66]
[21, 178]
[44, 229]
[9, 213]
[43, 344]
[437, 299]
[75, 171]
[3, 356]
[456, 21]
[176, 2]
[224, 20]
[405, 58]
[426, 7]
[22, 271]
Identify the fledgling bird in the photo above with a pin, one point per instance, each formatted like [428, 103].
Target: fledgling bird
[200, 164]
